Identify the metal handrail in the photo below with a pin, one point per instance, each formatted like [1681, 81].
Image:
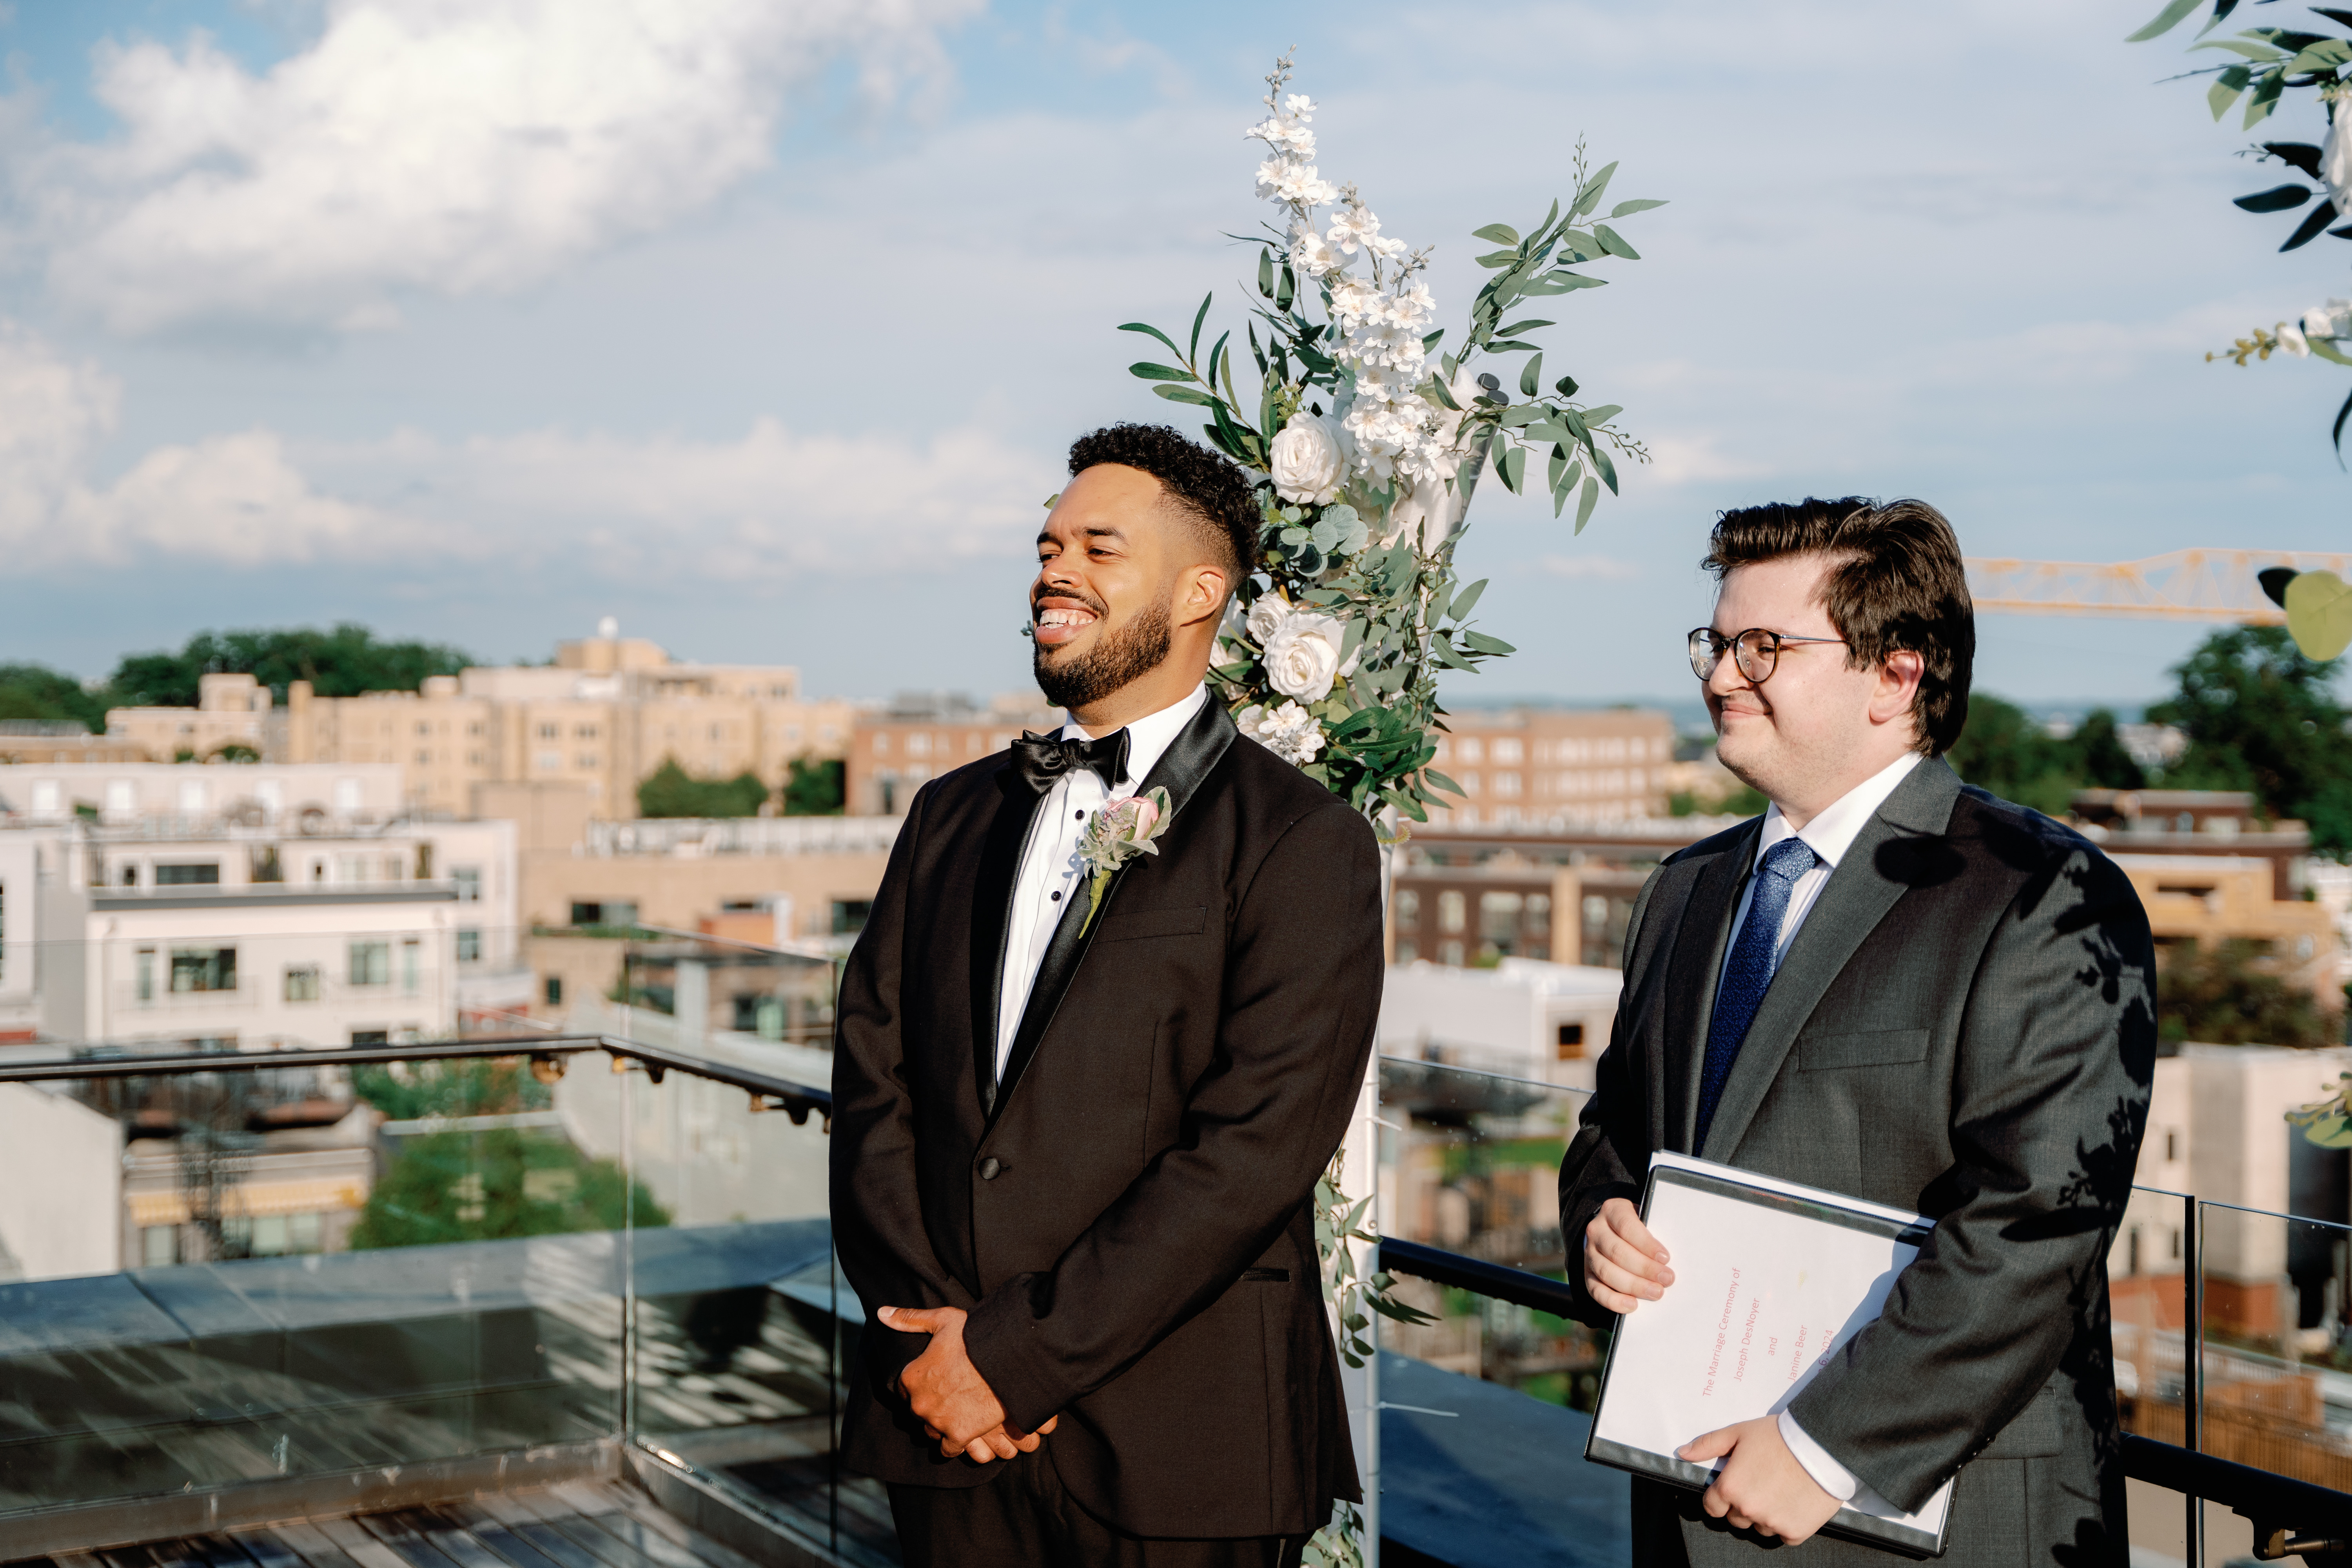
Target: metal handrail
[2266, 1498]
[798, 1099]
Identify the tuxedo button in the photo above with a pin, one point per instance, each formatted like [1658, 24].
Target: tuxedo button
[990, 1167]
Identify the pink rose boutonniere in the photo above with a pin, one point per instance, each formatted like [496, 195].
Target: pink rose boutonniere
[1121, 831]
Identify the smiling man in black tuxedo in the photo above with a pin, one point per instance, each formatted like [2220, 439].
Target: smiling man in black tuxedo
[1075, 1148]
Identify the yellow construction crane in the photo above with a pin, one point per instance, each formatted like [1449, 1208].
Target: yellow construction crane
[2186, 585]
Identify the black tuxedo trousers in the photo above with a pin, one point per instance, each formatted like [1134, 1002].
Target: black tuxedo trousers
[1964, 1025]
[1127, 1218]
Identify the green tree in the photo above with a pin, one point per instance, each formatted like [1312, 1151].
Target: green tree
[815, 786]
[495, 1184]
[36, 692]
[2222, 999]
[343, 662]
[2004, 749]
[2261, 717]
[2098, 748]
[671, 791]
[409, 1091]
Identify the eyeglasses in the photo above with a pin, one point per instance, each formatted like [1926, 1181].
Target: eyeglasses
[1756, 650]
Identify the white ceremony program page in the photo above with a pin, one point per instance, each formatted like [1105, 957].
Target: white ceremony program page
[1769, 1279]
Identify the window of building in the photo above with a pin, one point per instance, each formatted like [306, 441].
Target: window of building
[552, 989]
[192, 797]
[475, 728]
[188, 874]
[423, 728]
[1407, 953]
[1450, 954]
[584, 731]
[1572, 1041]
[919, 745]
[610, 912]
[469, 945]
[411, 963]
[586, 759]
[473, 759]
[349, 795]
[1506, 784]
[370, 963]
[1507, 750]
[121, 797]
[1539, 914]
[469, 881]
[130, 876]
[143, 972]
[1467, 749]
[204, 969]
[371, 1036]
[2172, 1145]
[849, 915]
[424, 759]
[1469, 782]
[551, 731]
[301, 983]
[1408, 908]
[549, 761]
[1451, 910]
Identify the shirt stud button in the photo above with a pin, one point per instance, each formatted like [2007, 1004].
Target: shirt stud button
[990, 1167]
[1057, 898]
[1078, 817]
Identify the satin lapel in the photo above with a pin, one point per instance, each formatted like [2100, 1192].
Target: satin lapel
[992, 909]
[1700, 939]
[1860, 892]
[1180, 770]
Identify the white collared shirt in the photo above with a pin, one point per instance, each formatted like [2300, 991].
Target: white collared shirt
[1829, 835]
[1051, 874]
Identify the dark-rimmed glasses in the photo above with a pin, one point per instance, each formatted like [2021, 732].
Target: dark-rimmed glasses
[1756, 651]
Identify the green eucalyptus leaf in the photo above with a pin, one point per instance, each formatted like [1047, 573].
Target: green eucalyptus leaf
[1589, 197]
[1186, 394]
[2261, 54]
[2221, 94]
[1614, 243]
[1265, 271]
[2166, 20]
[1607, 469]
[1584, 506]
[1151, 371]
[1603, 415]
[1498, 232]
[1155, 331]
[1515, 327]
[1531, 377]
[1627, 209]
[1464, 602]
[1495, 259]
[1484, 644]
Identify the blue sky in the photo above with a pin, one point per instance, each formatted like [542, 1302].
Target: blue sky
[762, 326]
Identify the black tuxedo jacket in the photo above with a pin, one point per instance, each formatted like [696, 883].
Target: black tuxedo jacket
[1131, 1224]
[1965, 1026]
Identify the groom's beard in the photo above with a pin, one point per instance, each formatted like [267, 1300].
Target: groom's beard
[1118, 657]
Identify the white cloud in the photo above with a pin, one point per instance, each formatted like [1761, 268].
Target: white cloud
[753, 511]
[450, 146]
[758, 511]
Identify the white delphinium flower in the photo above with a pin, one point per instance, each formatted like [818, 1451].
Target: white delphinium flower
[1290, 731]
[1311, 253]
[1354, 225]
[1308, 462]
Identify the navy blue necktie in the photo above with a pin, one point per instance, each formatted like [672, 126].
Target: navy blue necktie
[1748, 971]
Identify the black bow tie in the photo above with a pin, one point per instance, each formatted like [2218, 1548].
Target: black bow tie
[1042, 760]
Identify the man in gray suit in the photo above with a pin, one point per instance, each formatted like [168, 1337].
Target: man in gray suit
[1897, 987]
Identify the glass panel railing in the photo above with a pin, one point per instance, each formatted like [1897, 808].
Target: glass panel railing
[268, 1269]
[1470, 1162]
[2278, 1361]
[743, 1324]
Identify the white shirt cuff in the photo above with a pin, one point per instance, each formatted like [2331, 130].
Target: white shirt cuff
[1832, 1477]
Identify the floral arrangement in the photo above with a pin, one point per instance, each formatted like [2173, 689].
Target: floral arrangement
[1368, 436]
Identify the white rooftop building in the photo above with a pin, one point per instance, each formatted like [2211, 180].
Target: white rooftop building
[1526, 1017]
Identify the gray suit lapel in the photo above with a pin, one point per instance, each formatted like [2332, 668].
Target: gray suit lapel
[1878, 868]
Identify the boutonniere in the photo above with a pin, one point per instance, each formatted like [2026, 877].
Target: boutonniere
[1121, 831]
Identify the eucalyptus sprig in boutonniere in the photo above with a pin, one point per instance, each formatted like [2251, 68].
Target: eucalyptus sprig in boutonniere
[1121, 831]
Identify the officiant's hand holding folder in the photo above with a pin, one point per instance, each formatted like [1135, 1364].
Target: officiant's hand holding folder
[1770, 1278]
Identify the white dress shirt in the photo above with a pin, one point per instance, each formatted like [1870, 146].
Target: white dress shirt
[1051, 872]
[1829, 835]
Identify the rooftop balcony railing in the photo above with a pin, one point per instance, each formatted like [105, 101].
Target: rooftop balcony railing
[406, 1279]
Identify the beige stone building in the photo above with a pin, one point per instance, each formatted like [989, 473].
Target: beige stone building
[604, 715]
[2210, 898]
[1549, 766]
[894, 750]
[230, 711]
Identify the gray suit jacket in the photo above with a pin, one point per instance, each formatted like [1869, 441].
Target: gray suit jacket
[1964, 1025]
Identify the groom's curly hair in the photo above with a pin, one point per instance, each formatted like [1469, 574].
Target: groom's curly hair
[1208, 489]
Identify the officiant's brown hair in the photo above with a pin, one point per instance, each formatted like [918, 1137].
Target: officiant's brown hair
[1897, 587]
[1209, 489]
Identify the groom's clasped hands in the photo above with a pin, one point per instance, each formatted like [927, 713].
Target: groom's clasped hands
[946, 1393]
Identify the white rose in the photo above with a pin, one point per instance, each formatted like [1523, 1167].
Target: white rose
[1302, 657]
[2290, 340]
[2318, 323]
[1306, 463]
[1264, 617]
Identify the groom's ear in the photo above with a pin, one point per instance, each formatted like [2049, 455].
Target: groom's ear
[1200, 593]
